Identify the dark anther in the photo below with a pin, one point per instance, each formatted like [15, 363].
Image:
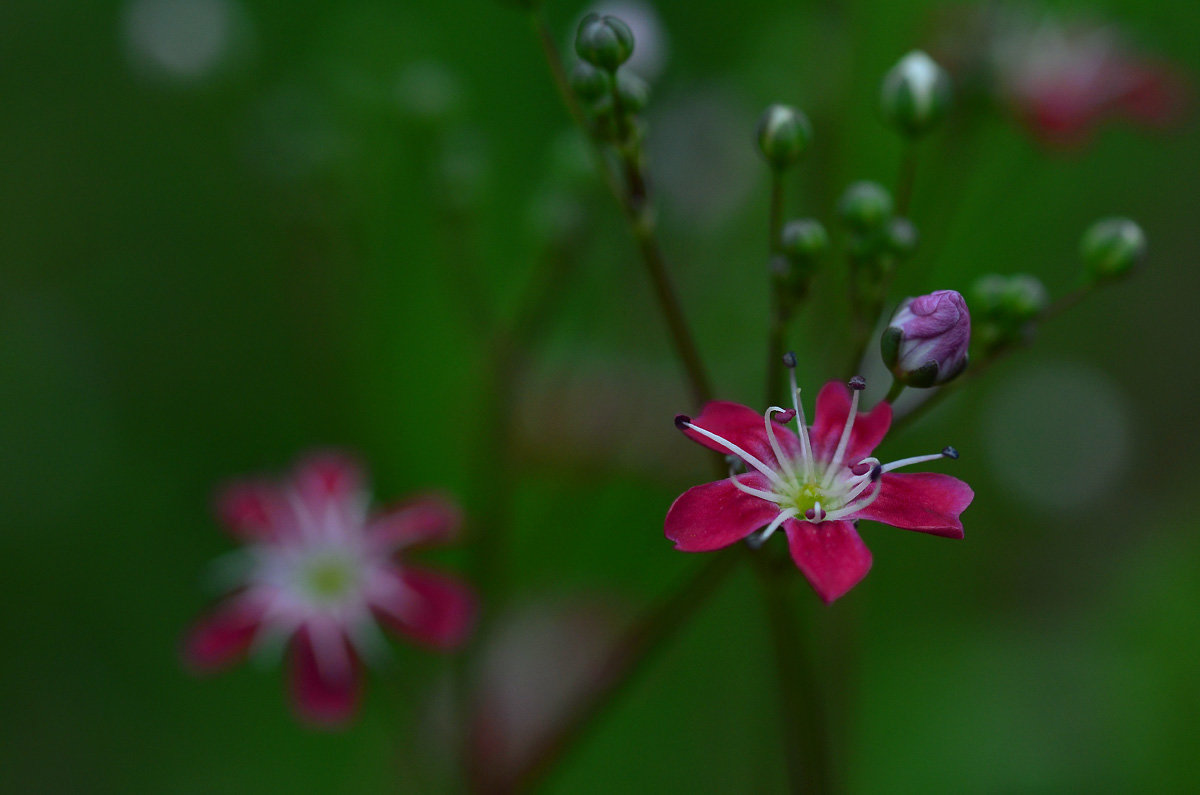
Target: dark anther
[784, 417]
[789, 359]
[858, 383]
[682, 421]
[861, 468]
[876, 473]
[950, 452]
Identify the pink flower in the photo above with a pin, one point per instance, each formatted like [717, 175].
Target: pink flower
[319, 575]
[1063, 79]
[815, 484]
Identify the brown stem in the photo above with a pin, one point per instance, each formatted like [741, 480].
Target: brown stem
[627, 658]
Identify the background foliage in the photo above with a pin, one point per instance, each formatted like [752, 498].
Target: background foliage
[204, 278]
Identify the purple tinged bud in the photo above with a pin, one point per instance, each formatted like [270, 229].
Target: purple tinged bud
[926, 341]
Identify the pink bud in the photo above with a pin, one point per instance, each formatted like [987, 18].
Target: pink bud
[926, 342]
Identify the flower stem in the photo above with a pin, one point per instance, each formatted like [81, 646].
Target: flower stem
[634, 199]
[906, 180]
[803, 710]
[894, 392]
[627, 657]
[779, 303]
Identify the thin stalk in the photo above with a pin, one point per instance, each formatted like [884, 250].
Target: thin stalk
[627, 658]
[806, 747]
[906, 180]
[894, 392]
[634, 199]
[779, 303]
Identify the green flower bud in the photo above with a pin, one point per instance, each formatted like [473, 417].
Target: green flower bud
[915, 94]
[1111, 248]
[633, 91]
[803, 240]
[604, 41]
[901, 237]
[865, 206]
[1005, 307]
[590, 83]
[783, 134]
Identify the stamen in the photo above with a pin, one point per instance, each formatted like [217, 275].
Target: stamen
[784, 461]
[861, 468]
[785, 416]
[850, 509]
[857, 385]
[761, 538]
[682, 421]
[801, 425]
[949, 452]
[753, 492]
[815, 513]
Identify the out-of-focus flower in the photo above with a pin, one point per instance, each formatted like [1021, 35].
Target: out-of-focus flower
[927, 338]
[815, 484]
[1063, 76]
[537, 661]
[183, 40]
[319, 575]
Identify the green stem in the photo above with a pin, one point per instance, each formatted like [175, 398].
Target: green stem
[634, 199]
[628, 656]
[779, 303]
[894, 392]
[906, 180]
[803, 710]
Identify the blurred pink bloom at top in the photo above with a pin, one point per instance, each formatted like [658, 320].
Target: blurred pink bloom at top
[1062, 79]
[319, 575]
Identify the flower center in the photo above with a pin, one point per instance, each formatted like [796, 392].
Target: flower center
[328, 577]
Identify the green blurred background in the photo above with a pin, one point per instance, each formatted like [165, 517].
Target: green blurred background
[204, 273]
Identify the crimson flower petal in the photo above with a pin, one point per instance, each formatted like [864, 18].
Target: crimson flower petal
[251, 510]
[829, 554]
[323, 697]
[327, 477]
[744, 427]
[222, 637]
[423, 520]
[714, 515]
[926, 501]
[833, 407]
[431, 608]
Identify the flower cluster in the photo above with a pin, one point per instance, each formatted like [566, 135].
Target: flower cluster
[319, 575]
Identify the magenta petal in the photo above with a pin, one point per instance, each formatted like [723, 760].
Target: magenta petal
[222, 637]
[744, 427]
[715, 515]
[327, 477]
[830, 554]
[926, 501]
[833, 406]
[251, 510]
[431, 608]
[327, 698]
[423, 520]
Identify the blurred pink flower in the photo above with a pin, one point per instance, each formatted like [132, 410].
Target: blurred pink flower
[319, 575]
[1061, 76]
[815, 484]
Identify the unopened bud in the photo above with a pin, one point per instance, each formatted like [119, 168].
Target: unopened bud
[925, 343]
[604, 41]
[633, 91]
[865, 206]
[901, 237]
[915, 95]
[590, 83]
[783, 134]
[1111, 248]
[803, 240]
